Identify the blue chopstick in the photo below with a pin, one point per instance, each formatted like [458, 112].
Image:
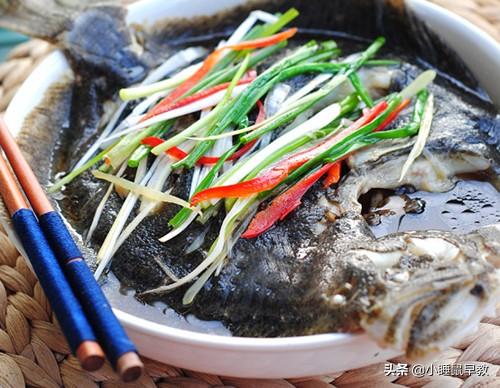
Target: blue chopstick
[111, 334]
[67, 308]
[63, 301]
[120, 351]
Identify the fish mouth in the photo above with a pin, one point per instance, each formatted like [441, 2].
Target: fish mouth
[432, 172]
[427, 309]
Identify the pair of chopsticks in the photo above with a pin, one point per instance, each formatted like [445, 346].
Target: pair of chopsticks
[84, 314]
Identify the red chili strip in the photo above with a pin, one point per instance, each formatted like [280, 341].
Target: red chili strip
[206, 93]
[283, 204]
[300, 158]
[183, 88]
[177, 153]
[243, 150]
[283, 168]
[165, 104]
[333, 175]
[242, 189]
[263, 42]
[198, 96]
[395, 113]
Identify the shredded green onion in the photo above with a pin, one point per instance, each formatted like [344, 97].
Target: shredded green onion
[143, 150]
[361, 90]
[76, 172]
[423, 134]
[127, 144]
[246, 100]
[145, 191]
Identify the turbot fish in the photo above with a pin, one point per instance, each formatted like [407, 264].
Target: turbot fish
[161, 222]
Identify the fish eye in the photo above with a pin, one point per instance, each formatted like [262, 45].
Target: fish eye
[477, 290]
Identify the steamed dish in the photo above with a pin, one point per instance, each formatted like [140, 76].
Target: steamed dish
[242, 180]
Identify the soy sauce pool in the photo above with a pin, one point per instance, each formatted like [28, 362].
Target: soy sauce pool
[468, 206]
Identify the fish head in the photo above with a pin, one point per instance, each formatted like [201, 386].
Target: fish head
[432, 288]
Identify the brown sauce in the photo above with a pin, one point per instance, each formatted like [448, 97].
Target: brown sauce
[468, 206]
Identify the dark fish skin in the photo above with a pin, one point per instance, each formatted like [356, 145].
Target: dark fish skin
[112, 56]
[463, 124]
[274, 285]
[290, 294]
[98, 45]
[368, 19]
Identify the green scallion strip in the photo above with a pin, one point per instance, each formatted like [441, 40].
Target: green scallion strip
[411, 128]
[322, 67]
[143, 150]
[283, 20]
[325, 55]
[420, 104]
[242, 104]
[184, 213]
[277, 122]
[225, 75]
[347, 69]
[229, 91]
[128, 144]
[361, 90]
[73, 174]
[423, 134]
[372, 138]
[259, 31]
[181, 216]
[347, 105]
[393, 102]
[383, 62]
[220, 73]
[367, 54]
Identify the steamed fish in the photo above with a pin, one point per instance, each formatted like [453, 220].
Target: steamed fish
[319, 269]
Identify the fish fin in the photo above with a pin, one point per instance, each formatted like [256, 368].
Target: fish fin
[93, 34]
[44, 19]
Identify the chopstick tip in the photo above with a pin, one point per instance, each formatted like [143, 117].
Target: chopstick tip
[129, 367]
[90, 355]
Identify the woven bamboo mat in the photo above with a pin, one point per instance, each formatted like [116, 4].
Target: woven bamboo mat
[33, 351]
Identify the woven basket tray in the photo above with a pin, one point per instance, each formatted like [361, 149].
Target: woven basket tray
[33, 351]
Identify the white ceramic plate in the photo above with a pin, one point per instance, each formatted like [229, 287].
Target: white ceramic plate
[262, 357]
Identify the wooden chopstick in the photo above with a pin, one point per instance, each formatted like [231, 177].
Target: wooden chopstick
[118, 347]
[68, 310]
